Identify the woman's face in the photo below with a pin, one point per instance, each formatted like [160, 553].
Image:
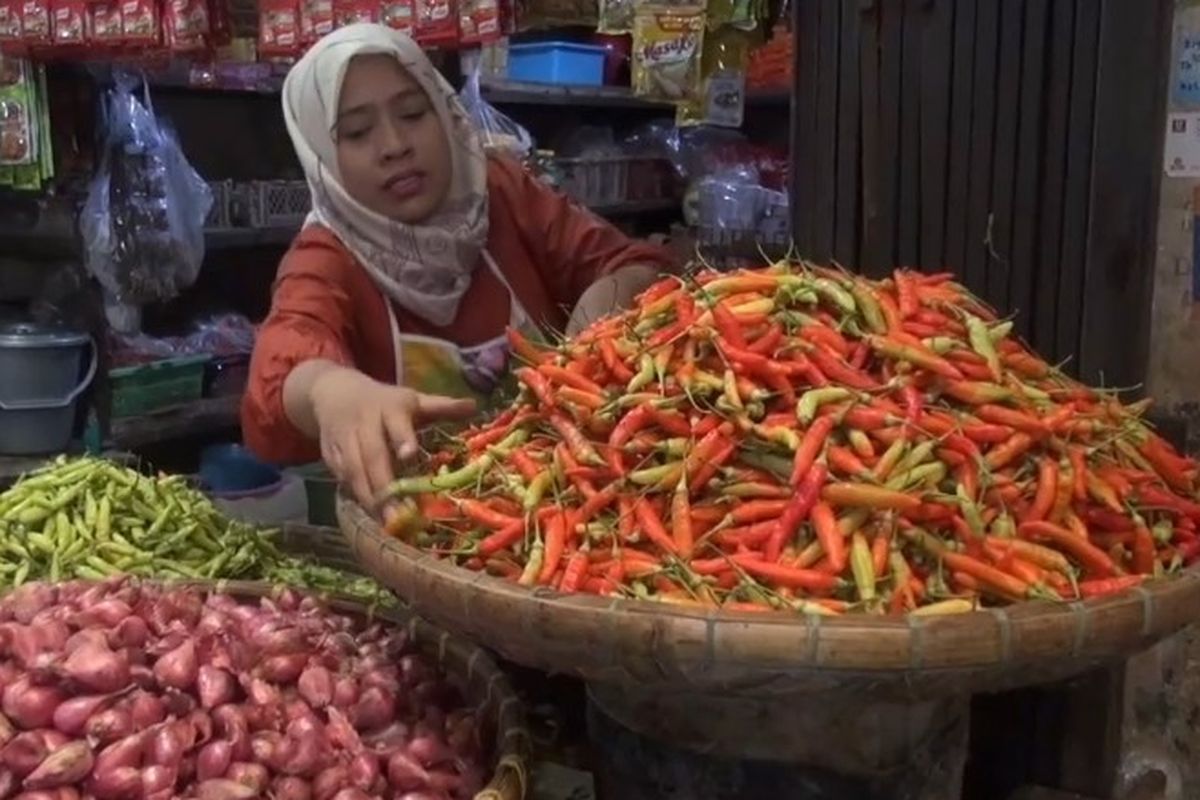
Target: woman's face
[392, 151]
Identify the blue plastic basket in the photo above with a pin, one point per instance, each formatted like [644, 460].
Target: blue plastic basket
[557, 62]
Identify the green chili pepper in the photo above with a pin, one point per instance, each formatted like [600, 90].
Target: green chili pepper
[811, 401]
[981, 342]
[835, 294]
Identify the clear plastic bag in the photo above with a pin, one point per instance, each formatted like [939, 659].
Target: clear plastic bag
[143, 220]
[499, 133]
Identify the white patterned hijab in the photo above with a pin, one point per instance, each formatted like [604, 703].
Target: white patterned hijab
[427, 267]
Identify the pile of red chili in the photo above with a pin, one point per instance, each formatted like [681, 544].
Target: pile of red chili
[801, 438]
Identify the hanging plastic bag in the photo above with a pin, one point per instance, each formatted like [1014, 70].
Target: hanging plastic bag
[143, 220]
[499, 133]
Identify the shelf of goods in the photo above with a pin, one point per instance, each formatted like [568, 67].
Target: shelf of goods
[204, 671]
[761, 485]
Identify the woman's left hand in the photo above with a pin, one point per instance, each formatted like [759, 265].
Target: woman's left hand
[610, 293]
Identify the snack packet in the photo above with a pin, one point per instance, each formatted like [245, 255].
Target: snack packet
[667, 44]
[721, 100]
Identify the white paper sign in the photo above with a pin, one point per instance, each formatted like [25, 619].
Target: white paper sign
[1181, 152]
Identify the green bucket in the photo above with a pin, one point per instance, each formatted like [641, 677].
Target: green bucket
[321, 488]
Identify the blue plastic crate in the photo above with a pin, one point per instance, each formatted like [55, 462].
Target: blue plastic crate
[557, 62]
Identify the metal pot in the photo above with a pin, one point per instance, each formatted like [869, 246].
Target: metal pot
[39, 384]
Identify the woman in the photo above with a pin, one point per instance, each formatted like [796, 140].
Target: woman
[391, 306]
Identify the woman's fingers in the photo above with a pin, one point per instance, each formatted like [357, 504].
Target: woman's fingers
[400, 429]
[349, 467]
[376, 454]
[432, 407]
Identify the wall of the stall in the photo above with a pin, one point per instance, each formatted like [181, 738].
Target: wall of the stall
[1173, 374]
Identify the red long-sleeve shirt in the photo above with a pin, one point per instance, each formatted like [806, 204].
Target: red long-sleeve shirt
[326, 306]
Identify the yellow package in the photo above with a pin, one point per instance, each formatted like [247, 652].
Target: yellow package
[721, 100]
[667, 43]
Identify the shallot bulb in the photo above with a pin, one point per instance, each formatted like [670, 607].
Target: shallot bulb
[215, 686]
[178, 668]
[31, 706]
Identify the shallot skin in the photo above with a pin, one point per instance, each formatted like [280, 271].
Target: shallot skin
[123, 690]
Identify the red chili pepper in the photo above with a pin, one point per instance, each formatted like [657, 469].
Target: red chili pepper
[791, 577]
[522, 347]
[770, 340]
[825, 525]
[880, 550]
[1047, 490]
[554, 544]
[708, 469]
[810, 446]
[501, 539]
[681, 521]
[728, 325]
[827, 336]
[575, 571]
[1091, 557]
[1102, 587]
[1143, 552]
[999, 415]
[751, 536]
[906, 294]
[798, 508]
[913, 404]
[651, 525]
[1003, 454]
[612, 360]
[845, 462]
[480, 512]
[538, 384]
[841, 372]
[672, 422]
[864, 495]
[569, 378]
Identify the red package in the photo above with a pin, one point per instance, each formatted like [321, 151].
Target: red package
[10, 23]
[278, 29]
[478, 21]
[348, 12]
[104, 28]
[68, 22]
[399, 15]
[186, 24]
[316, 20]
[35, 22]
[140, 23]
[437, 23]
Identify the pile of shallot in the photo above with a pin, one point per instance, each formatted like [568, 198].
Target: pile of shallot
[131, 690]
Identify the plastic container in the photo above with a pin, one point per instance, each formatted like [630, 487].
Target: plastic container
[557, 62]
[321, 488]
[39, 383]
[146, 388]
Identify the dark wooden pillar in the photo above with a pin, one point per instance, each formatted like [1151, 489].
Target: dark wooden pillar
[1017, 142]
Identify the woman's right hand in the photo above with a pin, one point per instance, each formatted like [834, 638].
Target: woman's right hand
[366, 427]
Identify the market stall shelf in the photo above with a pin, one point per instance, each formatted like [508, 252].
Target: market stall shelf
[669, 648]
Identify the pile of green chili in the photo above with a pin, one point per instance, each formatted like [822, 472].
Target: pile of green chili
[90, 518]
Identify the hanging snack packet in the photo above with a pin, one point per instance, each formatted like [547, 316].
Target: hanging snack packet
[140, 25]
[350, 12]
[667, 43]
[105, 30]
[278, 29]
[616, 16]
[35, 22]
[437, 23]
[68, 22]
[722, 97]
[399, 15]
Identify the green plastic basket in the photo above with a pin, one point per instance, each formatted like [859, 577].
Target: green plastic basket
[146, 388]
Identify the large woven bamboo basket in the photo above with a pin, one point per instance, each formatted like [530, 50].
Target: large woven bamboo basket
[472, 670]
[678, 649]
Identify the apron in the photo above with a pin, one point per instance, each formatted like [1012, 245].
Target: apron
[431, 365]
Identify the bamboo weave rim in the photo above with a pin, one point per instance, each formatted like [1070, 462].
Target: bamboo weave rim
[485, 685]
[677, 648]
